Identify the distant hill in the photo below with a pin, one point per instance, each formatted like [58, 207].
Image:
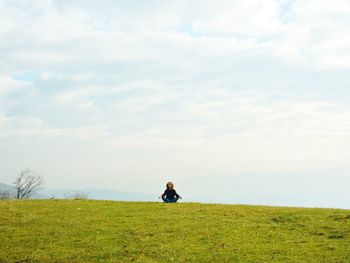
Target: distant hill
[6, 187]
[99, 194]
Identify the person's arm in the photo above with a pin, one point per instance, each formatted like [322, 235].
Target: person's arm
[162, 195]
[177, 195]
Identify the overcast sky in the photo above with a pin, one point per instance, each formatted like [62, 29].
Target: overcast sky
[235, 101]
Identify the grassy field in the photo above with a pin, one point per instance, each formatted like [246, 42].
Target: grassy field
[107, 231]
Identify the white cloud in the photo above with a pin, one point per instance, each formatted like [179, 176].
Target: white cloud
[8, 85]
[219, 82]
[317, 34]
[244, 18]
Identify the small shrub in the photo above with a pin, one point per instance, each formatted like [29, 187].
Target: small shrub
[5, 195]
[77, 196]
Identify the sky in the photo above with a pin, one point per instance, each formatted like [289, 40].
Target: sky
[234, 101]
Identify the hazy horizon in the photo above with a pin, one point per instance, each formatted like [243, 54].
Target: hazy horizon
[233, 101]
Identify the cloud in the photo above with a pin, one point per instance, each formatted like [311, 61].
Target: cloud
[215, 82]
[10, 84]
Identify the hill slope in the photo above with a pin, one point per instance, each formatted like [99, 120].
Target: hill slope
[92, 231]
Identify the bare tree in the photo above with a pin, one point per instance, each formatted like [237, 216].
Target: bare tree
[27, 183]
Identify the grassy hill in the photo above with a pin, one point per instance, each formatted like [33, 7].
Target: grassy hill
[103, 231]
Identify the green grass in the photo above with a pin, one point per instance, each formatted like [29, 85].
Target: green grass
[107, 231]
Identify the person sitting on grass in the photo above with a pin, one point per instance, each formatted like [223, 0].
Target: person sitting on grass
[170, 195]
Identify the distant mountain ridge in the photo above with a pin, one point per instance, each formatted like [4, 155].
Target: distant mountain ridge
[99, 194]
[7, 187]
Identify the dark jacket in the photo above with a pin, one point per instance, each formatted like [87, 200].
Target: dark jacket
[170, 194]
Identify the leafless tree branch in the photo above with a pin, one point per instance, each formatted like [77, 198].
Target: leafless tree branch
[27, 183]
